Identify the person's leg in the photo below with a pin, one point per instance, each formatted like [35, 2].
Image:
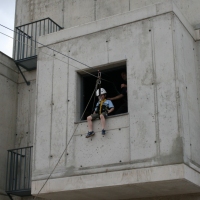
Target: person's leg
[89, 120]
[103, 121]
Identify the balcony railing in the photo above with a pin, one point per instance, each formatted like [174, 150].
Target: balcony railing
[26, 37]
[18, 177]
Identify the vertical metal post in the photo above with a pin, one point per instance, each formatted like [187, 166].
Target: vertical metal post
[18, 46]
[25, 169]
[23, 43]
[31, 39]
[40, 29]
[44, 28]
[35, 36]
[15, 43]
[20, 164]
[16, 175]
[11, 163]
[10, 180]
[27, 41]
[29, 170]
[48, 26]
[13, 170]
[7, 170]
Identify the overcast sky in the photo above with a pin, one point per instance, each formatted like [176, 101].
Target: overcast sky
[7, 12]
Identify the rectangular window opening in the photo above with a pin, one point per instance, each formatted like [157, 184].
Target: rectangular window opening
[116, 75]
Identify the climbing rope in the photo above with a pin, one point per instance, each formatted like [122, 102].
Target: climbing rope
[66, 146]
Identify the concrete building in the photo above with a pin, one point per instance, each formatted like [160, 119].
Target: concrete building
[151, 152]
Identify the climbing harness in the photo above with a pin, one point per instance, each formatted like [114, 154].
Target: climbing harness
[100, 108]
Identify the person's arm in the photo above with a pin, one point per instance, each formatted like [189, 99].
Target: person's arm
[123, 85]
[111, 110]
[117, 97]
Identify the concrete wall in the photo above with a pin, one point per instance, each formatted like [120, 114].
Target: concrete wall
[187, 73]
[188, 8]
[8, 110]
[25, 110]
[17, 106]
[177, 197]
[70, 13]
[149, 135]
[162, 125]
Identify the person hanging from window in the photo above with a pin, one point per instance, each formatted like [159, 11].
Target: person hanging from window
[102, 109]
[124, 107]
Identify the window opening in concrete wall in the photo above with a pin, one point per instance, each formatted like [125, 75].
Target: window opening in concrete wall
[87, 85]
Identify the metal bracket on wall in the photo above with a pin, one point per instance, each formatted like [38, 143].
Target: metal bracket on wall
[27, 82]
[10, 197]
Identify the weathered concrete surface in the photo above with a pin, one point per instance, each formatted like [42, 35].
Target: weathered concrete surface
[17, 107]
[162, 126]
[33, 10]
[3, 197]
[136, 183]
[70, 13]
[156, 130]
[25, 114]
[25, 110]
[8, 112]
[188, 8]
[153, 93]
[187, 73]
[177, 197]
[115, 21]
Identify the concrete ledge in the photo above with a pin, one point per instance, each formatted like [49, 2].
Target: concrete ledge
[116, 20]
[135, 183]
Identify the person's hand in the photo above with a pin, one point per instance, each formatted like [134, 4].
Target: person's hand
[123, 85]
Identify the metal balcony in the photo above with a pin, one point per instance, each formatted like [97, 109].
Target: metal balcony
[26, 37]
[18, 176]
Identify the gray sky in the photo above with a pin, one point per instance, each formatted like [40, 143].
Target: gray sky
[7, 13]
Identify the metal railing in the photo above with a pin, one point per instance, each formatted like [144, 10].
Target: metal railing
[25, 45]
[18, 177]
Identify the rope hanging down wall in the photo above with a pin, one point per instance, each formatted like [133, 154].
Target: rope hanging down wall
[97, 83]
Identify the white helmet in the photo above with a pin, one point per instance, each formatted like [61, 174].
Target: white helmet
[103, 91]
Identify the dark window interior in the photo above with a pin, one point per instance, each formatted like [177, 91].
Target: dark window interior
[113, 89]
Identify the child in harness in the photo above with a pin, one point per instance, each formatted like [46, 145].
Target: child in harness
[102, 109]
